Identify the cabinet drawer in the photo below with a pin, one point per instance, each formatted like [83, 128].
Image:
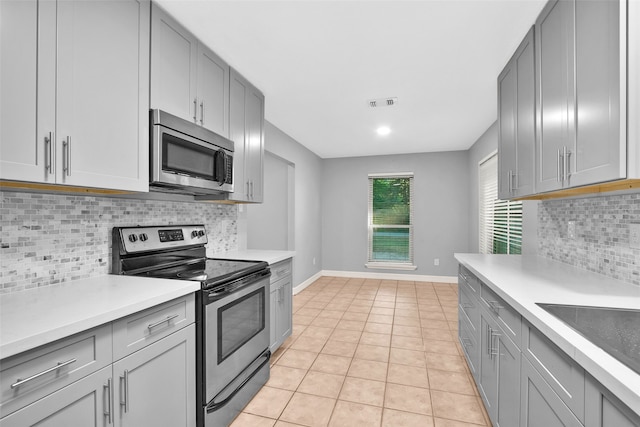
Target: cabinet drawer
[562, 373]
[508, 319]
[30, 376]
[134, 332]
[470, 309]
[469, 343]
[280, 270]
[468, 280]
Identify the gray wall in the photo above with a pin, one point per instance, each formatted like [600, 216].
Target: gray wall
[483, 147]
[441, 208]
[308, 180]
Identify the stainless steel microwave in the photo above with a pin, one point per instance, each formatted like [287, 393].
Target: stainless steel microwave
[186, 158]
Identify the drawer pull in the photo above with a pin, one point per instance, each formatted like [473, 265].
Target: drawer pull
[20, 382]
[107, 394]
[124, 400]
[160, 322]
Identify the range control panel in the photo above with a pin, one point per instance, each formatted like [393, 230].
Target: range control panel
[142, 239]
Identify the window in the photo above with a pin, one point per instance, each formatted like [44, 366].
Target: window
[391, 221]
[500, 220]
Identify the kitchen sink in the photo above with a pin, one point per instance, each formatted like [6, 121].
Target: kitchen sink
[615, 330]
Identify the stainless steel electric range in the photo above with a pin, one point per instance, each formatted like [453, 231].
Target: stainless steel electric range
[232, 317]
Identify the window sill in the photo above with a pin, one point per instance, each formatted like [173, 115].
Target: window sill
[390, 266]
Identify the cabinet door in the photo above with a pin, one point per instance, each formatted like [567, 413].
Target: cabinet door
[540, 406]
[24, 153]
[507, 143]
[86, 402]
[155, 386]
[173, 66]
[239, 88]
[603, 409]
[254, 149]
[273, 319]
[285, 310]
[554, 44]
[488, 385]
[600, 147]
[523, 184]
[508, 409]
[102, 94]
[213, 92]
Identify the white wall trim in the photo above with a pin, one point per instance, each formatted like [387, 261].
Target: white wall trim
[302, 286]
[390, 276]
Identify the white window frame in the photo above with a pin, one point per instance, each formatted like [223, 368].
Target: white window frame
[492, 210]
[390, 265]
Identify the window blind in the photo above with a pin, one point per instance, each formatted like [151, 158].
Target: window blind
[500, 221]
[391, 218]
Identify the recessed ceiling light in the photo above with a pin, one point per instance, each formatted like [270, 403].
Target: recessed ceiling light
[383, 130]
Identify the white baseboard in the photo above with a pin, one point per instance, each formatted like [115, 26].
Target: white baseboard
[390, 276]
[366, 275]
[301, 287]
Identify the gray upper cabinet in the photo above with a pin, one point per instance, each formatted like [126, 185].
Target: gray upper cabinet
[187, 78]
[246, 118]
[580, 129]
[516, 123]
[58, 85]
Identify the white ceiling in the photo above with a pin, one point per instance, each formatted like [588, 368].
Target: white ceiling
[319, 61]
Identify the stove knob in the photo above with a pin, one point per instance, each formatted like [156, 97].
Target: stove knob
[143, 237]
[194, 234]
[133, 238]
[200, 233]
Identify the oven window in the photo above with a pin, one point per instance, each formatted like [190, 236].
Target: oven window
[240, 321]
[180, 156]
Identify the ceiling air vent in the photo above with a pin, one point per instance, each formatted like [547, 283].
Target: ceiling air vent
[382, 102]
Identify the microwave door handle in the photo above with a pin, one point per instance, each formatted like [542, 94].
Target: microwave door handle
[220, 162]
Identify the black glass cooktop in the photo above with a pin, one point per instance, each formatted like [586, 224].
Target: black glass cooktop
[210, 271]
[615, 330]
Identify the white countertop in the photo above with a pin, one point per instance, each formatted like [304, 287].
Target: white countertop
[270, 256]
[523, 281]
[39, 316]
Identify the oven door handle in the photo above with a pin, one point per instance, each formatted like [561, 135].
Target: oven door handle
[214, 295]
[214, 406]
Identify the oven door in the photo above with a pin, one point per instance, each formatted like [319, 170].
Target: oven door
[236, 329]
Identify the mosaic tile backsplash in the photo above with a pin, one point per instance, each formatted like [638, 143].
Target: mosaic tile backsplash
[50, 238]
[601, 242]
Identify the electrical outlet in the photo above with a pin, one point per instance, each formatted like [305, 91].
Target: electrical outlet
[634, 235]
[436, 261]
[314, 261]
[571, 230]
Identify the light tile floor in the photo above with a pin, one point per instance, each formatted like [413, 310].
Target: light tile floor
[373, 353]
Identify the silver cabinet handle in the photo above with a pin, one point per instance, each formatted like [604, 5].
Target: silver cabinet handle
[494, 306]
[20, 382]
[124, 399]
[251, 189]
[566, 166]
[202, 112]
[107, 393]
[488, 338]
[48, 142]
[510, 181]
[195, 110]
[559, 172]
[67, 156]
[160, 322]
[466, 342]
[494, 351]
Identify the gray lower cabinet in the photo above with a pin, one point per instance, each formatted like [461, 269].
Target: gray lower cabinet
[281, 304]
[137, 371]
[540, 405]
[524, 379]
[155, 386]
[499, 373]
[82, 403]
[603, 409]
